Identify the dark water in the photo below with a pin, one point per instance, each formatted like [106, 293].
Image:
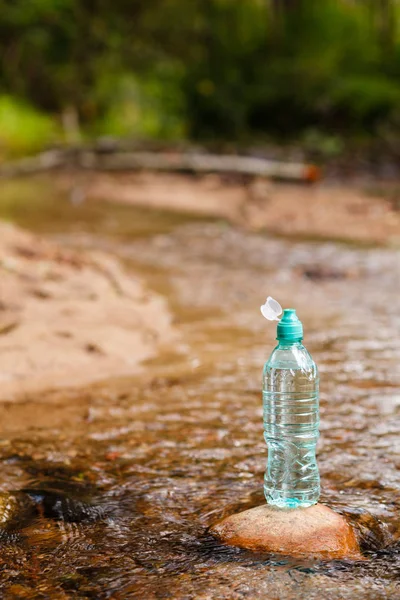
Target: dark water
[118, 483]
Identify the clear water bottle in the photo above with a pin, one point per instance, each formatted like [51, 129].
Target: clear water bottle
[291, 415]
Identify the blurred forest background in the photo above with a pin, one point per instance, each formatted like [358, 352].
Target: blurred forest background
[313, 72]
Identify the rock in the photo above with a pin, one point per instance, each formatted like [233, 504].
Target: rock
[61, 506]
[316, 531]
[16, 510]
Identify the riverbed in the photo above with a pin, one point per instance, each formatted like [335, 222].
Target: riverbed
[157, 457]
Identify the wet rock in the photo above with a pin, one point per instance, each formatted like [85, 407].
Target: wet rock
[15, 512]
[60, 506]
[316, 531]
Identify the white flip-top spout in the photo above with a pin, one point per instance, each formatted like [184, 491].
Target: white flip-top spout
[271, 310]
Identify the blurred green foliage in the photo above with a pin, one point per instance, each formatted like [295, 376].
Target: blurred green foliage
[205, 69]
[24, 130]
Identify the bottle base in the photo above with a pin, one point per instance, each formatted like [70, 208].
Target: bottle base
[280, 500]
[290, 503]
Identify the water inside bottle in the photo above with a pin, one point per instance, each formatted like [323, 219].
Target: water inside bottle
[291, 419]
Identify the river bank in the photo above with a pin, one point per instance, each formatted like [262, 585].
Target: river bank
[69, 318]
[365, 213]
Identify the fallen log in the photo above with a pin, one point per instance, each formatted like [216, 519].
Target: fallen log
[162, 161]
[45, 161]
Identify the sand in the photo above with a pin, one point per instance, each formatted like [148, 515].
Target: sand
[323, 210]
[69, 318]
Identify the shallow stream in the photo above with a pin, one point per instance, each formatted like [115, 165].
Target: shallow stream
[123, 478]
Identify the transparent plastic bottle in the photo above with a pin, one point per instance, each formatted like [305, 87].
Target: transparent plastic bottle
[291, 419]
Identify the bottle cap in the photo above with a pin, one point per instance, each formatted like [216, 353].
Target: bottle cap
[271, 309]
[290, 328]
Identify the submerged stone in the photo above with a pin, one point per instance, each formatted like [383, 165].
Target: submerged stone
[61, 506]
[16, 510]
[315, 531]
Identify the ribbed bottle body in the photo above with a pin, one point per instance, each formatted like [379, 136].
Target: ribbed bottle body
[291, 420]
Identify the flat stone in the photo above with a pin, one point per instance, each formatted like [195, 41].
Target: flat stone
[315, 531]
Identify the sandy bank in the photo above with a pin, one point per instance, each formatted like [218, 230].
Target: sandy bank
[320, 211]
[69, 318]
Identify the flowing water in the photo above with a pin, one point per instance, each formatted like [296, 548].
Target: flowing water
[121, 480]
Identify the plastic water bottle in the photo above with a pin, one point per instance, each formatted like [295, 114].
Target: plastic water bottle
[291, 415]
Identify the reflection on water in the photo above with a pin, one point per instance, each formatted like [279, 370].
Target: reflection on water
[117, 489]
